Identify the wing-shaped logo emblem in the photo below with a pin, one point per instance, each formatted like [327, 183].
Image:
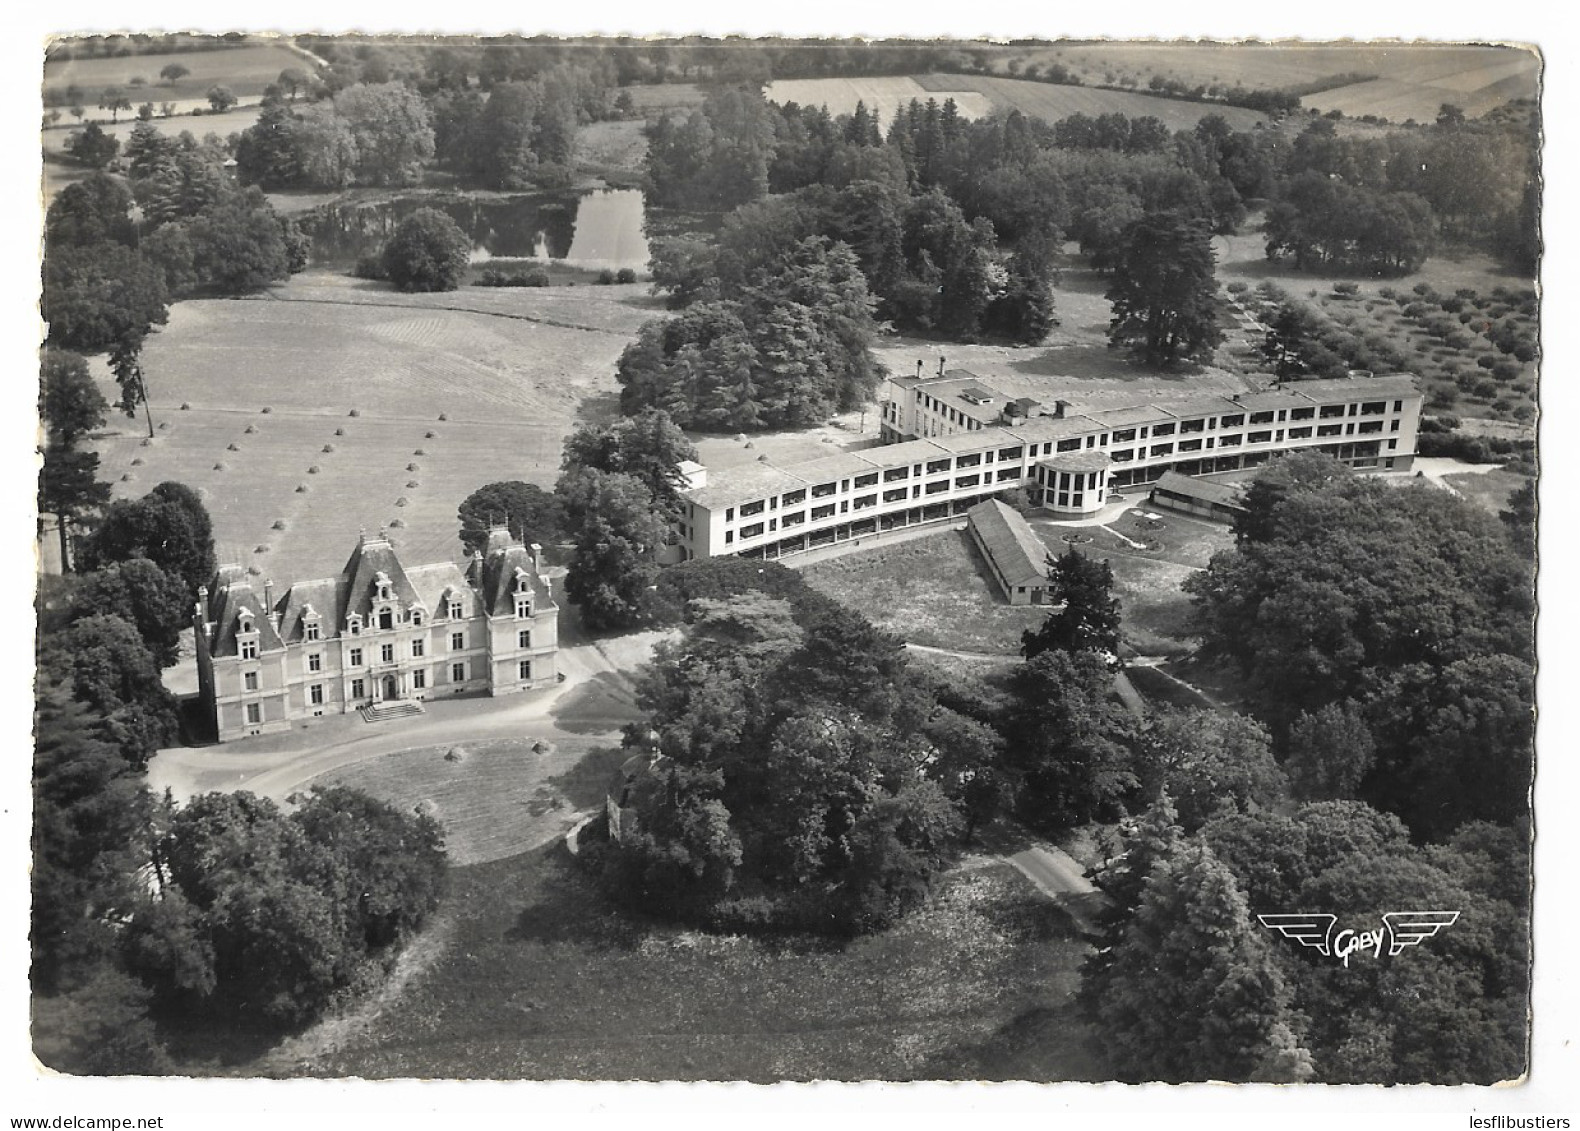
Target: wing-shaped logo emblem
[1410, 928]
[1315, 931]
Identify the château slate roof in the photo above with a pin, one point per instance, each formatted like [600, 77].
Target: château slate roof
[354, 590]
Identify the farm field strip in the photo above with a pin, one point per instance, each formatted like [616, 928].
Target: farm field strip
[882, 95]
[1050, 101]
[245, 70]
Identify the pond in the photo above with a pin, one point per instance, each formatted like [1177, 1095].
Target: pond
[590, 230]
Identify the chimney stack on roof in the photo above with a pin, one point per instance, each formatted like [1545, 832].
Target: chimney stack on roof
[940, 365]
[918, 369]
[537, 558]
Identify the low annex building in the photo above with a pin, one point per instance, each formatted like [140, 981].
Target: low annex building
[378, 632]
[951, 442]
[1015, 555]
[1197, 496]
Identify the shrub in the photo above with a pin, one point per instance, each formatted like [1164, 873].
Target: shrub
[1486, 390]
[1486, 361]
[627, 275]
[606, 278]
[371, 267]
[1525, 351]
[1346, 290]
[1466, 316]
[1506, 370]
[428, 252]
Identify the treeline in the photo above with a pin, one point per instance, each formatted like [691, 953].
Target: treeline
[1375, 204]
[390, 133]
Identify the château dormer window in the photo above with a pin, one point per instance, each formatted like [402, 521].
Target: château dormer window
[524, 605]
[455, 609]
[416, 616]
[354, 624]
[310, 630]
[386, 618]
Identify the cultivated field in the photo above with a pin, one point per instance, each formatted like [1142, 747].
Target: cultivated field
[1413, 79]
[540, 978]
[1051, 102]
[979, 95]
[493, 798]
[881, 95]
[934, 591]
[245, 70]
[272, 384]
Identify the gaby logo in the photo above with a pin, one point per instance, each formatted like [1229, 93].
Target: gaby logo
[1399, 930]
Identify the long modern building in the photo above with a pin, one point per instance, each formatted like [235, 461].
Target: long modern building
[951, 441]
[379, 633]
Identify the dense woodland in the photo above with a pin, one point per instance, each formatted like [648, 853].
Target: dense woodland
[795, 773]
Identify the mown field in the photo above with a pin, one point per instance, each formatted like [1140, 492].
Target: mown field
[541, 978]
[355, 379]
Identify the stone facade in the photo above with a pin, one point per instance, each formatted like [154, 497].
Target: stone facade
[377, 633]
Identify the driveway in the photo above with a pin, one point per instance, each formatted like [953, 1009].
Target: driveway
[277, 765]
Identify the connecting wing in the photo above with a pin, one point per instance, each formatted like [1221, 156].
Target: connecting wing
[1315, 931]
[1410, 928]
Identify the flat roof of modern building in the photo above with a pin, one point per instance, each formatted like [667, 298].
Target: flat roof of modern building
[840, 465]
[743, 484]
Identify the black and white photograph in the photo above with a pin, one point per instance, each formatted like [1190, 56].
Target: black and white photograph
[770, 559]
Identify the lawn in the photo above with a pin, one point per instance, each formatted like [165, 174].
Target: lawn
[272, 387]
[1156, 614]
[541, 978]
[934, 591]
[1490, 489]
[493, 798]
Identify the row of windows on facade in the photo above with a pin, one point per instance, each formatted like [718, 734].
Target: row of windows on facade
[1007, 474]
[385, 618]
[1075, 443]
[359, 687]
[419, 647]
